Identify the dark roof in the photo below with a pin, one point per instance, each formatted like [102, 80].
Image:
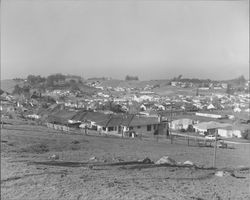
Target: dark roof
[115, 120]
[80, 115]
[142, 121]
[61, 116]
[127, 119]
[97, 117]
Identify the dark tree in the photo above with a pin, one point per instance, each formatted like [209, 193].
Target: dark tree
[229, 89]
[54, 78]
[131, 78]
[31, 79]
[17, 90]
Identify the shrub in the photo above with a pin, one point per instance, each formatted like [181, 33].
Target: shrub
[246, 135]
[75, 148]
[75, 142]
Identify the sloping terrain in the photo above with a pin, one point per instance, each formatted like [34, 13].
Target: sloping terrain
[9, 84]
[22, 179]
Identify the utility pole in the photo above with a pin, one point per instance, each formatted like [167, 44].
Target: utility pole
[170, 131]
[215, 149]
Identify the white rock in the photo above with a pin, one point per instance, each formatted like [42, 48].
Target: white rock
[93, 158]
[166, 160]
[219, 173]
[188, 163]
[54, 157]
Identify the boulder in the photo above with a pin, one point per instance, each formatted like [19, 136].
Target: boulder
[93, 158]
[219, 173]
[53, 157]
[166, 160]
[188, 163]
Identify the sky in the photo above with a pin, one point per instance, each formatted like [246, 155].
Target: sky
[150, 39]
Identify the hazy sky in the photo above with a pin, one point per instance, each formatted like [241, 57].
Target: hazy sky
[151, 39]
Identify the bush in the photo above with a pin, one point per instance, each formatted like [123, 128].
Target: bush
[182, 130]
[75, 148]
[131, 78]
[246, 135]
[75, 142]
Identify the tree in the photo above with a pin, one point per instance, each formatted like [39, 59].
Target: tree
[32, 79]
[54, 78]
[246, 135]
[197, 92]
[229, 89]
[131, 78]
[1, 91]
[179, 77]
[17, 90]
[241, 80]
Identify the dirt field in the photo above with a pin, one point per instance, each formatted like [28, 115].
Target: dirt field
[22, 179]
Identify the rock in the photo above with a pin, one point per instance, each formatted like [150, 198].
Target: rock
[166, 160]
[53, 157]
[179, 163]
[219, 173]
[93, 158]
[147, 160]
[188, 163]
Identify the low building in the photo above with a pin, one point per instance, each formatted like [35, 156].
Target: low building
[229, 132]
[210, 115]
[180, 124]
[207, 128]
[146, 126]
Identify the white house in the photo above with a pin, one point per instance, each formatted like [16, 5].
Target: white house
[210, 107]
[181, 124]
[141, 125]
[209, 127]
[211, 115]
[237, 109]
[229, 132]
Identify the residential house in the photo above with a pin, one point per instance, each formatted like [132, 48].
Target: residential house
[207, 128]
[211, 115]
[180, 124]
[211, 107]
[146, 126]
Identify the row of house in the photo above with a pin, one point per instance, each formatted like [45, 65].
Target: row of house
[115, 124]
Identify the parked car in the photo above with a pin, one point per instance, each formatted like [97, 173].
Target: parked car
[212, 137]
[222, 144]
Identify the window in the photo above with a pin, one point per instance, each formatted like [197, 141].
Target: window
[110, 128]
[148, 127]
[155, 127]
[131, 128]
[138, 127]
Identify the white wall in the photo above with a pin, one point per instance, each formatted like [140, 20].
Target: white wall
[143, 130]
[208, 115]
[225, 133]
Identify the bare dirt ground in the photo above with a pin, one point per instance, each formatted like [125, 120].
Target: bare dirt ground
[22, 179]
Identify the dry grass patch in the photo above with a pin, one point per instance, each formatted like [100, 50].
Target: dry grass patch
[35, 148]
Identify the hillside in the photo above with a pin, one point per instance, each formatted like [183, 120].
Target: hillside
[9, 84]
[131, 84]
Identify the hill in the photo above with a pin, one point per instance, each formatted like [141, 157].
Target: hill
[129, 84]
[9, 84]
